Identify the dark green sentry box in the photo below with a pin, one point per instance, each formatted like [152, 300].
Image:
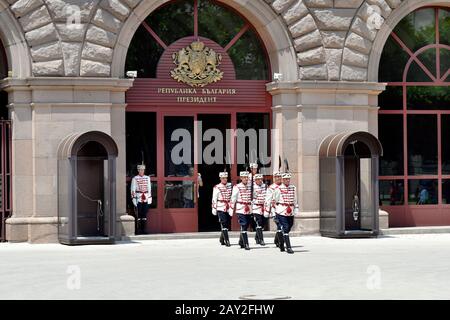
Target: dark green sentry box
[349, 204]
[87, 189]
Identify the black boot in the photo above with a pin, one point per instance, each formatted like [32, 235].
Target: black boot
[226, 238]
[222, 240]
[241, 241]
[257, 238]
[143, 225]
[261, 237]
[276, 240]
[138, 226]
[280, 241]
[245, 237]
[288, 244]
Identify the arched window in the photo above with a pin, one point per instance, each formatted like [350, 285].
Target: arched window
[204, 18]
[414, 120]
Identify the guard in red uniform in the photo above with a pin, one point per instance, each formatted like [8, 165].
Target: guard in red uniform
[286, 207]
[141, 193]
[259, 197]
[270, 208]
[241, 204]
[221, 206]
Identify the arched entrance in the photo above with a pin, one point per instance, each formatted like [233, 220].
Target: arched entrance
[87, 188]
[348, 184]
[414, 120]
[201, 71]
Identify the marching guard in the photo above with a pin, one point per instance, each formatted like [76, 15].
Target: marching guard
[270, 209]
[259, 214]
[241, 204]
[141, 193]
[286, 207]
[221, 206]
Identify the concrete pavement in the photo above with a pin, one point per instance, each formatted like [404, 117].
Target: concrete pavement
[395, 267]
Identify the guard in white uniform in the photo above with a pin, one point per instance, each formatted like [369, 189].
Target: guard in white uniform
[286, 207]
[141, 193]
[241, 204]
[259, 197]
[270, 208]
[221, 206]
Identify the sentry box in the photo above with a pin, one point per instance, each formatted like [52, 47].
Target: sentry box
[87, 189]
[349, 205]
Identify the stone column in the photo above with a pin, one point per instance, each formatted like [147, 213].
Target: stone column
[44, 111]
[305, 112]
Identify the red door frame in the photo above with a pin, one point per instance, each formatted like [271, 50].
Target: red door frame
[163, 220]
[420, 215]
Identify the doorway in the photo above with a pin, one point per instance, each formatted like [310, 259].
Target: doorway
[210, 172]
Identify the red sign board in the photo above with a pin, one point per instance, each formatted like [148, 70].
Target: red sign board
[227, 92]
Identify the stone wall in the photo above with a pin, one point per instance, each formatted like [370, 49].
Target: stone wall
[333, 38]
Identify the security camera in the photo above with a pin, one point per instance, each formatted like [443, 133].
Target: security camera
[278, 76]
[132, 74]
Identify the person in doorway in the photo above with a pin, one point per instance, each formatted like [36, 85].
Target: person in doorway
[241, 204]
[141, 194]
[259, 197]
[423, 195]
[221, 206]
[270, 209]
[286, 207]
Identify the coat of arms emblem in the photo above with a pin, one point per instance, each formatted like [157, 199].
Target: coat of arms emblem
[197, 65]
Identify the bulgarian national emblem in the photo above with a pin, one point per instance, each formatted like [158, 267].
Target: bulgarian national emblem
[197, 65]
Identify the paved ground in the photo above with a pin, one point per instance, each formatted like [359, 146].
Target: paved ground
[400, 267]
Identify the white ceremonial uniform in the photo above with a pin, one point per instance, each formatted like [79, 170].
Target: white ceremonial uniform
[141, 190]
[259, 197]
[285, 198]
[221, 198]
[241, 199]
[269, 209]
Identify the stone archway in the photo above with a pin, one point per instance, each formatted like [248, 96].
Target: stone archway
[16, 48]
[376, 48]
[269, 25]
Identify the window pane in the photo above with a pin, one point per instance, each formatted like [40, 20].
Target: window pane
[179, 194]
[445, 144]
[423, 192]
[143, 54]
[445, 61]
[422, 144]
[392, 193]
[218, 23]
[173, 21]
[179, 146]
[391, 98]
[417, 74]
[446, 191]
[390, 131]
[417, 29]
[393, 55]
[141, 142]
[428, 98]
[444, 26]
[249, 58]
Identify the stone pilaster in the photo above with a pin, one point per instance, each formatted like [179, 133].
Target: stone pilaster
[44, 112]
[306, 112]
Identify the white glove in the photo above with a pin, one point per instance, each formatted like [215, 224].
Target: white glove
[214, 212]
[230, 212]
[296, 211]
